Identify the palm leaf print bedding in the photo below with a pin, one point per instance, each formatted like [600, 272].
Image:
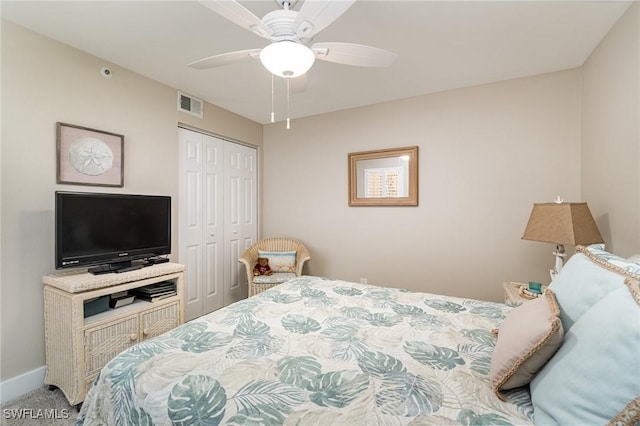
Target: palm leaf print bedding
[315, 352]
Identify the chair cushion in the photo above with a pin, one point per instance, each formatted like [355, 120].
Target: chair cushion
[527, 339]
[280, 261]
[275, 278]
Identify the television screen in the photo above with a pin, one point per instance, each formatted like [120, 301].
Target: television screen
[110, 229]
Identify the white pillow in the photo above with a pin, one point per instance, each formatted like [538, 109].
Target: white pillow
[527, 339]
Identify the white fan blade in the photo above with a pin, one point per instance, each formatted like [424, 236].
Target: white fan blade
[353, 54]
[224, 59]
[239, 15]
[316, 15]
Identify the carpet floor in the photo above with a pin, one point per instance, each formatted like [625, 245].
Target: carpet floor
[38, 407]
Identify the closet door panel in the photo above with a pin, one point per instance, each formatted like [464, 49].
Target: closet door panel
[191, 256]
[233, 197]
[249, 173]
[200, 221]
[213, 235]
[217, 219]
[190, 219]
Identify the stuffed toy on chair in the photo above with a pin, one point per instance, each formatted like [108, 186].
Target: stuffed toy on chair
[262, 267]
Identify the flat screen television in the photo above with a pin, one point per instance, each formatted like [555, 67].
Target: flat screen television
[110, 230]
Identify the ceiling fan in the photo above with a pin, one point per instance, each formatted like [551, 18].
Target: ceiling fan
[290, 53]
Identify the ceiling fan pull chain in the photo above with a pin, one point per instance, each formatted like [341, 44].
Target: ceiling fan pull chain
[288, 95]
[273, 115]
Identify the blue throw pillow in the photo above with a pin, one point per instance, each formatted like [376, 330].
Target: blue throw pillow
[581, 283]
[594, 378]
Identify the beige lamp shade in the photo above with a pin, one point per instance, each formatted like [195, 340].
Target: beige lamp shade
[562, 223]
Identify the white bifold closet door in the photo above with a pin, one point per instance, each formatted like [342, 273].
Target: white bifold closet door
[217, 217]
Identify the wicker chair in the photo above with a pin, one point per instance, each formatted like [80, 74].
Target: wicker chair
[250, 257]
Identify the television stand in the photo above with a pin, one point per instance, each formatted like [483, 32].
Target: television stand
[76, 348]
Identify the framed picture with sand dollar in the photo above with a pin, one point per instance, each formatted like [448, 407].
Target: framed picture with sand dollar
[89, 156]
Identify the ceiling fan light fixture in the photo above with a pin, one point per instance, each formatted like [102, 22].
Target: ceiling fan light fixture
[287, 58]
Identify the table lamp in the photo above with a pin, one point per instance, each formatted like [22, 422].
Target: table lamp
[562, 224]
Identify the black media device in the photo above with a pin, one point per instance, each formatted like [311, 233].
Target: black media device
[110, 230]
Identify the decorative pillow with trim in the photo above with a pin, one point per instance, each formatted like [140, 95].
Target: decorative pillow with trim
[528, 337]
[594, 376]
[583, 281]
[629, 267]
[275, 278]
[280, 261]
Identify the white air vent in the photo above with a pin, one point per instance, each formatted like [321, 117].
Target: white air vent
[190, 105]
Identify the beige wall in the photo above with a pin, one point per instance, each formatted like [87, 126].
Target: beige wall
[486, 154]
[44, 82]
[611, 134]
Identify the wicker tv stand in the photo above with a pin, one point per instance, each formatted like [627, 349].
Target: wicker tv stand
[77, 347]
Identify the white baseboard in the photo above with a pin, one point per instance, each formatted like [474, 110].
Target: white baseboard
[22, 384]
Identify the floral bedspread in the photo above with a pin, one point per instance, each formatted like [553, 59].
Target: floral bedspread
[315, 352]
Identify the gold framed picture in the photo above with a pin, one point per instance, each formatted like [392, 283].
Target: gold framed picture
[384, 177]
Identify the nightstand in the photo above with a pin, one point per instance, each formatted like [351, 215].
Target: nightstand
[513, 294]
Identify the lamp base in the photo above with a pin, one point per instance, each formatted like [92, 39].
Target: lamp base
[560, 254]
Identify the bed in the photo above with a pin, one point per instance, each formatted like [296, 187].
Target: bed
[328, 352]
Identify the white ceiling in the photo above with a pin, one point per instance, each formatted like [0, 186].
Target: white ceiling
[442, 45]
